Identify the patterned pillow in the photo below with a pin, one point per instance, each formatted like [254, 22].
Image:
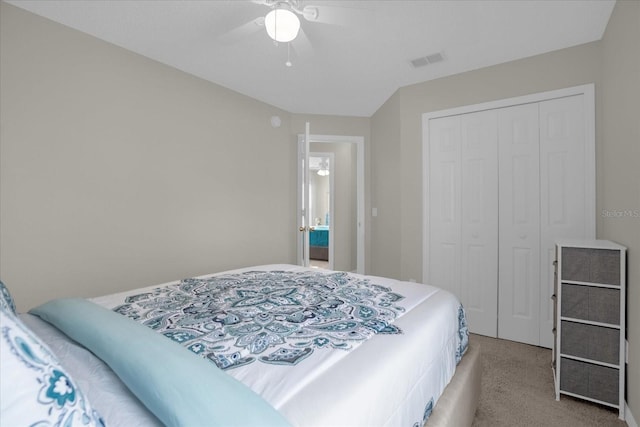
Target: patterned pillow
[6, 300]
[36, 390]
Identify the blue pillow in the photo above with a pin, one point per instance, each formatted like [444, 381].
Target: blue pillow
[178, 386]
[35, 389]
[6, 300]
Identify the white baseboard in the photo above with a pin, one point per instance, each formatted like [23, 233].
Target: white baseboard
[628, 416]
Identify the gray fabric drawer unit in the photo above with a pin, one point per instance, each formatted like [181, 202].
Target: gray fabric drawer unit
[589, 321]
[591, 303]
[591, 265]
[590, 380]
[590, 342]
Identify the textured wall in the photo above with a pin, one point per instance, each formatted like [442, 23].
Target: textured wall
[620, 196]
[612, 64]
[119, 172]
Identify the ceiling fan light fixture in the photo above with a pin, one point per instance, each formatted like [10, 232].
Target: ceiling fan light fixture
[324, 168]
[282, 25]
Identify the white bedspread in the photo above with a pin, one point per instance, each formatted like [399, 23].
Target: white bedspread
[385, 380]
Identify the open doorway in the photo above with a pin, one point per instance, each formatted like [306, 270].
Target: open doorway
[321, 203]
[346, 201]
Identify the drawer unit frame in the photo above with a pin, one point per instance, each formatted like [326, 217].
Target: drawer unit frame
[589, 321]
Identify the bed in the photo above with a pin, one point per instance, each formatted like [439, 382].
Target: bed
[267, 345]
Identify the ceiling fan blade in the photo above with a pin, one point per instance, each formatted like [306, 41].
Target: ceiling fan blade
[302, 45]
[243, 31]
[336, 15]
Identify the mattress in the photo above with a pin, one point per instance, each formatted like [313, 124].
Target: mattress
[321, 348]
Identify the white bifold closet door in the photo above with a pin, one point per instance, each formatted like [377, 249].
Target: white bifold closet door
[568, 209]
[542, 197]
[519, 210]
[464, 213]
[504, 184]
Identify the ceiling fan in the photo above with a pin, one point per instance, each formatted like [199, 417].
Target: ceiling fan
[282, 22]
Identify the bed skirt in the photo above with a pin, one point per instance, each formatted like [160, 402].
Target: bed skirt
[457, 404]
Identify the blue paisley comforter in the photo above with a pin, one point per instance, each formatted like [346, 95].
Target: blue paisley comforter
[323, 348]
[275, 317]
[303, 338]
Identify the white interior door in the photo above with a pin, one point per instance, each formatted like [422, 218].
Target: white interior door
[304, 199]
[479, 216]
[444, 206]
[464, 220]
[566, 203]
[519, 242]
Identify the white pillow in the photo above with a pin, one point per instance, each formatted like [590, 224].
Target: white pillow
[36, 390]
[6, 300]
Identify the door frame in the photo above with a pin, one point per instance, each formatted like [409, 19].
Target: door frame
[360, 214]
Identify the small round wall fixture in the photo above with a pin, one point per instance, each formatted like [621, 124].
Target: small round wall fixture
[275, 121]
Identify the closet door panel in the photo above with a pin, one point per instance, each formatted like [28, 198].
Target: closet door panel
[444, 206]
[479, 217]
[563, 189]
[495, 209]
[519, 228]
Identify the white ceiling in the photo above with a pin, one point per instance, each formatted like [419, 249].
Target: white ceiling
[345, 68]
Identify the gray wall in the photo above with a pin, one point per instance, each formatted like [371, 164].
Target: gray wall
[619, 165]
[118, 172]
[386, 190]
[396, 149]
[397, 136]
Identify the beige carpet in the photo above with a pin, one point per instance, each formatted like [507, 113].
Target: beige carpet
[517, 390]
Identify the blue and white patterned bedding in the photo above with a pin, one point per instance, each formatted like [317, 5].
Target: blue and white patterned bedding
[177, 386]
[273, 317]
[322, 348]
